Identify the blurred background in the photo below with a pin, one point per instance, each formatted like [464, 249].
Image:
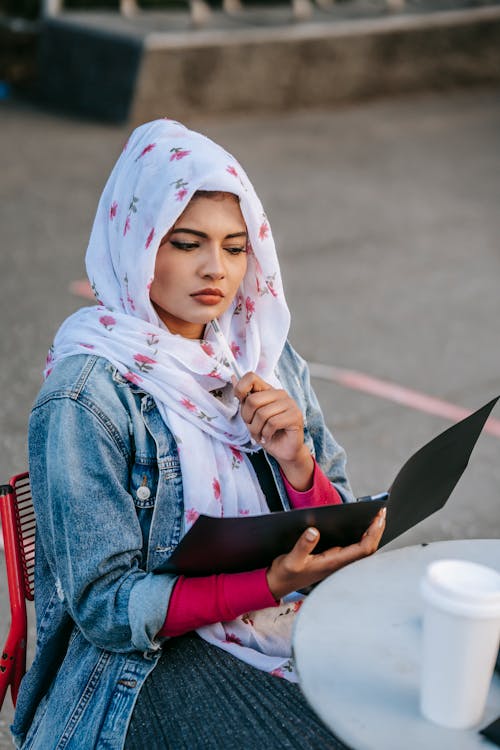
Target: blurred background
[371, 131]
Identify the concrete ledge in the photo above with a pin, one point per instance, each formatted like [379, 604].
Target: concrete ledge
[144, 74]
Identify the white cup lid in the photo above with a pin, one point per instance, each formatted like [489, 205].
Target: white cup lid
[463, 587]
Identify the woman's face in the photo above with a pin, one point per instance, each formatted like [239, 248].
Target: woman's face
[200, 265]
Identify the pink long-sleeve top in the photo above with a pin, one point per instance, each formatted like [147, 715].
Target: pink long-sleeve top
[220, 598]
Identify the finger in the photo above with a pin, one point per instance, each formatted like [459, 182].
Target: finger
[376, 523]
[249, 383]
[280, 424]
[257, 400]
[337, 557]
[374, 532]
[268, 417]
[303, 547]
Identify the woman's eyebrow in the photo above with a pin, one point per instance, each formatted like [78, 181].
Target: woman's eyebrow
[203, 235]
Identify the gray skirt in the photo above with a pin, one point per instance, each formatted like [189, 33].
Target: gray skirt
[199, 697]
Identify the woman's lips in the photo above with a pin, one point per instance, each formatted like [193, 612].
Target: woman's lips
[208, 296]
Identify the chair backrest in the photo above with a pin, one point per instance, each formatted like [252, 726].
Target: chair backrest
[18, 527]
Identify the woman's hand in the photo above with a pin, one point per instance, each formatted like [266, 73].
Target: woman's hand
[275, 421]
[300, 568]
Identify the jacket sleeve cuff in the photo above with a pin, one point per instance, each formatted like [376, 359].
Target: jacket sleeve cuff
[147, 609]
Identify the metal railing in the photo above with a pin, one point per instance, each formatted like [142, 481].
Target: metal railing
[200, 10]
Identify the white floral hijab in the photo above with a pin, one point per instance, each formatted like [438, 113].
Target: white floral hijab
[162, 165]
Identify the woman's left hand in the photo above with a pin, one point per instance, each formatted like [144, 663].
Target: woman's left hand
[275, 421]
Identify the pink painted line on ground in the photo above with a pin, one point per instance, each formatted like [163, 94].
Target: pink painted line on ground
[366, 383]
[399, 394]
[82, 288]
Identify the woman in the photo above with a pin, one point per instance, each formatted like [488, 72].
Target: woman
[140, 426]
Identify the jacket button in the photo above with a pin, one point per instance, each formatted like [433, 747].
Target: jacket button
[143, 493]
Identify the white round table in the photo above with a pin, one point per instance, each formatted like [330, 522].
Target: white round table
[357, 646]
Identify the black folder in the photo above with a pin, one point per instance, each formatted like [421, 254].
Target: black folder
[421, 487]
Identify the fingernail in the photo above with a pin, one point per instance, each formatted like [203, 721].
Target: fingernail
[381, 520]
[263, 441]
[311, 534]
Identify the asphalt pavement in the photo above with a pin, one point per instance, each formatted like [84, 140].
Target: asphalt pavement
[386, 220]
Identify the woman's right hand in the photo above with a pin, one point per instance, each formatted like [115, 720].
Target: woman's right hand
[299, 568]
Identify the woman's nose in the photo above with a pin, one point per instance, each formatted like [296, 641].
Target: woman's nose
[213, 264]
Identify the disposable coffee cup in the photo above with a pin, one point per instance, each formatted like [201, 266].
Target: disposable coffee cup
[461, 633]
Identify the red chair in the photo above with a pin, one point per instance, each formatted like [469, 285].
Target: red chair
[18, 526]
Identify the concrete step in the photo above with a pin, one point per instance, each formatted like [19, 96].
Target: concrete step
[118, 69]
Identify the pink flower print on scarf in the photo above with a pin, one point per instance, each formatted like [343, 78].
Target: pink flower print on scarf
[270, 284]
[188, 405]
[191, 515]
[260, 290]
[250, 308]
[207, 348]
[146, 150]
[133, 378]
[107, 321]
[86, 346]
[132, 208]
[152, 339]
[292, 609]
[264, 230]
[96, 293]
[178, 153]
[239, 305]
[150, 238]
[235, 349]
[237, 457]
[280, 671]
[129, 298]
[232, 638]
[112, 211]
[48, 361]
[232, 171]
[144, 363]
[216, 488]
[180, 186]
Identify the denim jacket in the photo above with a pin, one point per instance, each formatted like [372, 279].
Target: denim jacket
[94, 439]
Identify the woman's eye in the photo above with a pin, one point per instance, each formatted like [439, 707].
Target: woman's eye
[183, 245]
[236, 250]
